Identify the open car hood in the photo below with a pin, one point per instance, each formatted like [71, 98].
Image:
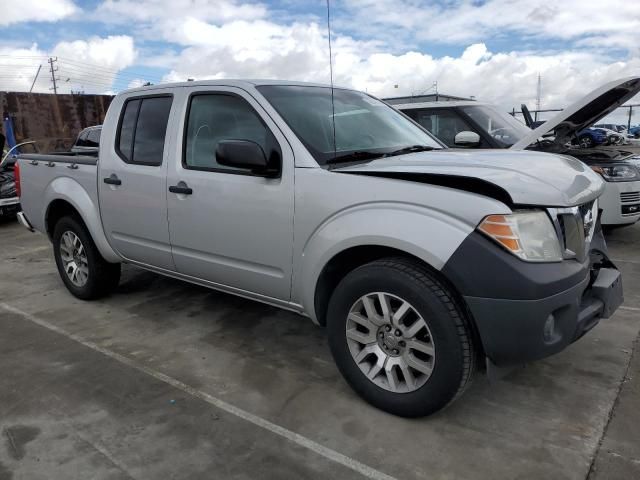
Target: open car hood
[585, 112]
[516, 178]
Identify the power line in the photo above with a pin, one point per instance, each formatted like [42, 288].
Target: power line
[66, 71]
[93, 66]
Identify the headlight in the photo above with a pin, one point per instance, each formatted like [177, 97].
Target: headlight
[617, 173]
[529, 235]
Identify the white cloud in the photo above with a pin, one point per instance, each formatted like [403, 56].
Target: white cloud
[136, 82]
[124, 11]
[235, 38]
[264, 49]
[14, 11]
[89, 65]
[92, 65]
[614, 23]
[112, 52]
[18, 68]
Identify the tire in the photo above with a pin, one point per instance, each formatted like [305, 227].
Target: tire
[93, 277]
[585, 141]
[446, 345]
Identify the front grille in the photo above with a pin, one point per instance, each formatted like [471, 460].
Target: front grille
[575, 227]
[630, 197]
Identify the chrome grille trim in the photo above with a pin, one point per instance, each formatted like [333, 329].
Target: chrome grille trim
[575, 227]
[630, 197]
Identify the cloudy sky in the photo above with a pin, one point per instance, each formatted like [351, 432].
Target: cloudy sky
[491, 49]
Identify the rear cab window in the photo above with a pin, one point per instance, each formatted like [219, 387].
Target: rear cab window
[142, 129]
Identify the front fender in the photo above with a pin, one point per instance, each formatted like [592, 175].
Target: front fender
[425, 233]
[69, 190]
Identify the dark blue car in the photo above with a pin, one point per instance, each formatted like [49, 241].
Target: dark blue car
[590, 137]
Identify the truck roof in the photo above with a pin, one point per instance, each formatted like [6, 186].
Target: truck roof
[241, 83]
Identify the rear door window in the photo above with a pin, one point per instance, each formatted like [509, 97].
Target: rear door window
[142, 131]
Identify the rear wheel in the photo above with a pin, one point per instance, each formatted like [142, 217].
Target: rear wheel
[83, 270]
[399, 337]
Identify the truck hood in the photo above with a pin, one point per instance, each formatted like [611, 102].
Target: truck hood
[525, 177]
[585, 112]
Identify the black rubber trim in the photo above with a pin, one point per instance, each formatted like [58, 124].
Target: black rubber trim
[458, 182]
[481, 268]
[64, 157]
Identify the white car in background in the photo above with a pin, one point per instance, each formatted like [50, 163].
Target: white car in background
[472, 124]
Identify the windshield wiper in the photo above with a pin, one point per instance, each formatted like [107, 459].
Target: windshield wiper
[411, 149]
[355, 157]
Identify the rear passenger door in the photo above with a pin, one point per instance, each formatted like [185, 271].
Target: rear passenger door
[132, 180]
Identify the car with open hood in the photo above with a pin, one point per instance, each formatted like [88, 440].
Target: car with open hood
[9, 201]
[424, 263]
[471, 125]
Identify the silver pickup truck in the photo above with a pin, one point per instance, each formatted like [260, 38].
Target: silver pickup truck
[422, 262]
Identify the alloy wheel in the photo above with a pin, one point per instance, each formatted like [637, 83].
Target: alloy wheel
[74, 258]
[390, 342]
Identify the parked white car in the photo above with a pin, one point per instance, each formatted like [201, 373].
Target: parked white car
[471, 124]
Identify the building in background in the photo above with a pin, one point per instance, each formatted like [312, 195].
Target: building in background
[431, 97]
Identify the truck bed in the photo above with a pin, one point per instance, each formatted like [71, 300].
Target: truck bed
[67, 176]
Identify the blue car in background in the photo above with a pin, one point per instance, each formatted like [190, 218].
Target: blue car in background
[590, 137]
[635, 131]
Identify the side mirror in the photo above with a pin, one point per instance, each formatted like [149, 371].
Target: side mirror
[242, 154]
[467, 139]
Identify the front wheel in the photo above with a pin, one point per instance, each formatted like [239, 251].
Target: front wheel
[83, 270]
[400, 338]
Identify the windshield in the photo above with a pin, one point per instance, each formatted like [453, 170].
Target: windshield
[363, 125]
[505, 129]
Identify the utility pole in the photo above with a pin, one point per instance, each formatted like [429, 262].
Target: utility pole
[51, 61]
[35, 78]
[538, 95]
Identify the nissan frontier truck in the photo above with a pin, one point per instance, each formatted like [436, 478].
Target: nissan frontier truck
[424, 264]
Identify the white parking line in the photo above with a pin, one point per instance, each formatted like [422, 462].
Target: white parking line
[632, 309]
[622, 260]
[296, 438]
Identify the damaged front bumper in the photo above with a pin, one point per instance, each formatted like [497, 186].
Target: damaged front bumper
[526, 312]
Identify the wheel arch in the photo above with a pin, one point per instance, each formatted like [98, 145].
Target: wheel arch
[66, 197]
[351, 258]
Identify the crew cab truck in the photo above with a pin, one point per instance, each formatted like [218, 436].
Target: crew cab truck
[422, 262]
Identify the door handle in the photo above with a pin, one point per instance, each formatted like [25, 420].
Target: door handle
[113, 180]
[183, 189]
